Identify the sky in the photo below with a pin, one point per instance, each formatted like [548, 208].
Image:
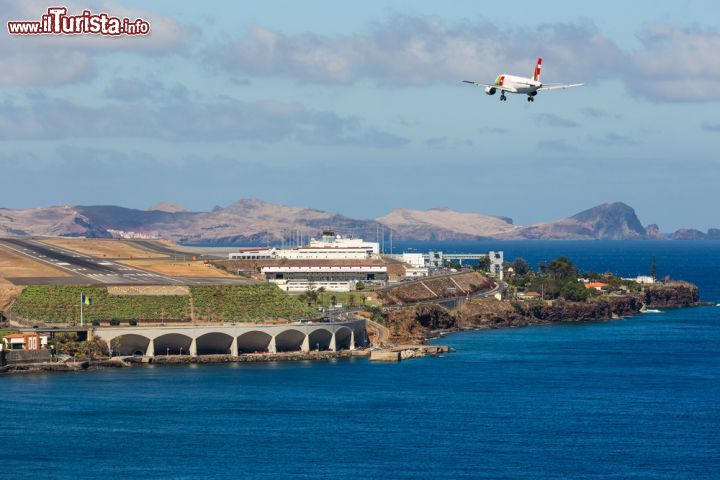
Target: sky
[358, 108]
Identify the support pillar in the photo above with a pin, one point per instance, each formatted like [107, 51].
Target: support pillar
[352, 340]
[234, 347]
[109, 344]
[193, 348]
[333, 345]
[306, 344]
[272, 346]
[150, 352]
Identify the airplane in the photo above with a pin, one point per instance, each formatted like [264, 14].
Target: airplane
[528, 86]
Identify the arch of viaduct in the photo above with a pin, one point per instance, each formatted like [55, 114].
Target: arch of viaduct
[233, 339]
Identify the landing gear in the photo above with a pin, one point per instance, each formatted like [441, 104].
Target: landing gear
[531, 99]
[503, 98]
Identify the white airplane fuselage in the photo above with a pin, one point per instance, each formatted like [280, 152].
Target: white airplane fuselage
[520, 85]
[523, 85]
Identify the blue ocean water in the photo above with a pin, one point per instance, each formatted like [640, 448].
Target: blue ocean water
[633, 398]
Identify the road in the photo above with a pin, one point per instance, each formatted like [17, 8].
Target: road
[382, 331]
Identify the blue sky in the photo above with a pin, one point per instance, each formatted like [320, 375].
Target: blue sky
[358, 108]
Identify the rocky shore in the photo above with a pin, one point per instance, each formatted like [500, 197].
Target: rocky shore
[419, 323]
[127, 362]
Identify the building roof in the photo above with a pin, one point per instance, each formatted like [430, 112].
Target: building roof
[344, 268]
[16, 335]
[595, 285]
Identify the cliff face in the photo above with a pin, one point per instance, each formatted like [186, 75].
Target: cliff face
[652, 232]
[688, 234]
[488, 314]
[418, 323]
[673, 295]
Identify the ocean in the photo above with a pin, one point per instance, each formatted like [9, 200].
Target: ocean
[633, 398]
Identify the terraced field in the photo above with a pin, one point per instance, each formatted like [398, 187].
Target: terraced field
[226, 303]
[246, 303]
[53, 303]
[433, 288]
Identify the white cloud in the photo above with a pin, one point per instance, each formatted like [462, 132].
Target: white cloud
[418, 51]
[676, 64]
[552, 120]
[672, 64]
[262, 121]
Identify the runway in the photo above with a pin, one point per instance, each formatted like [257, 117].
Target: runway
[90, 270]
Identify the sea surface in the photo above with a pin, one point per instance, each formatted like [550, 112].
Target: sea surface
[634, 398]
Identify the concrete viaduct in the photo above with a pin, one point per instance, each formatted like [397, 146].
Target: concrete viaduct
[233, 339]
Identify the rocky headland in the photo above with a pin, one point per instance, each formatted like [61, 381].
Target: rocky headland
[421, 322]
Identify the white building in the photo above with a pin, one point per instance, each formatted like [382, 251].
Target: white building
[338, 278]
[298, 286]
[329, 247]
[330, 240]
[414, 259]
[416, 272]
[642, 279]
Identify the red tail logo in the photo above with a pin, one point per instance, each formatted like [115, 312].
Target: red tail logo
[538, 67]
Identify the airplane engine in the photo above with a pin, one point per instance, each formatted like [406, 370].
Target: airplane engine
[490, 90]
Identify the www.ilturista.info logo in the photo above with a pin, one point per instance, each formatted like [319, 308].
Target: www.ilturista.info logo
[57, 22]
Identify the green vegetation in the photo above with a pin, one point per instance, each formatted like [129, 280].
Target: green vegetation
[246, 303]
[69, 344]
[559, 279]
[555, 279]
[222, 303]
[56, 303]
[483, 264]
[345, 298]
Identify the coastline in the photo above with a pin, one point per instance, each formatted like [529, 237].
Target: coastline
[135, 362]
[420, 323]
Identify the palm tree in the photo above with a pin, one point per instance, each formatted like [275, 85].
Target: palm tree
[312, 296]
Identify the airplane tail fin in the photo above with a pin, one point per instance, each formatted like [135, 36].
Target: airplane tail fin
[538, 67]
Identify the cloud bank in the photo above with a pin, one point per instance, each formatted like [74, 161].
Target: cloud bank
[673, 64]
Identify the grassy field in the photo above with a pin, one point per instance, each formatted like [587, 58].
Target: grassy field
[225, 303]
[358, 298]
[15, 265]
[103, 247]
[176, 268]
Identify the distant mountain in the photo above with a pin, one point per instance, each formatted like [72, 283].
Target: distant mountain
[249, 220]
[609, 221]
[167, 207]
[692, 234]
[256, 221]
[445, 224]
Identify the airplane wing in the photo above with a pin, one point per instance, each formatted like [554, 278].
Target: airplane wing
[559, 86]
[502, 88]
